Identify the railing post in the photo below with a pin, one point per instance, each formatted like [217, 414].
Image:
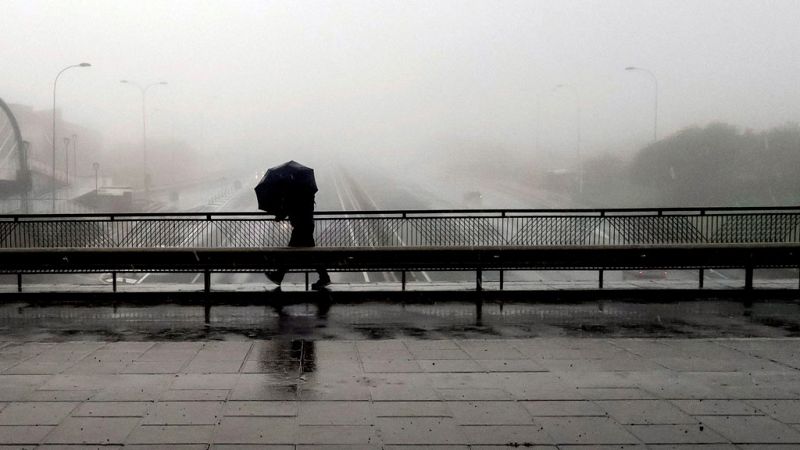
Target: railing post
[403, 280]
[306, 277]
[748, 278]
[206, 281]
[600, 278]
[113, 281]
[501, 279]
[479, 280]
[701, 279]
[19, 282]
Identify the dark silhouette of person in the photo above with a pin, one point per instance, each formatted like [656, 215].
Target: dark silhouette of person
[299, 207]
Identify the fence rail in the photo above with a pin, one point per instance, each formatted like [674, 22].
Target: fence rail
[412, 228]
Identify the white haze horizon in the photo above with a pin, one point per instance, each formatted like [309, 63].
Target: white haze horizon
[400, 81]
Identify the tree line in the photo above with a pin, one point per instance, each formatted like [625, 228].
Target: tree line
[715, 165]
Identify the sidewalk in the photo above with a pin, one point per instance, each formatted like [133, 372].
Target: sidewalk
[448, 394]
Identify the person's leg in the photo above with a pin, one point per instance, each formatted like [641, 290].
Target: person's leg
[324, 280]
[303, 236]
[276, 276]
[323, 275]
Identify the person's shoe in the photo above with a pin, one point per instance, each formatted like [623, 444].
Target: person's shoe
[320, 284]
[274, 277]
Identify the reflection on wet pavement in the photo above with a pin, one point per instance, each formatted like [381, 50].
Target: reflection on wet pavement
[300, 325]
[376, 375]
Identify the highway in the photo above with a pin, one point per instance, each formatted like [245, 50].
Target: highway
[345, 189]
[353, 189]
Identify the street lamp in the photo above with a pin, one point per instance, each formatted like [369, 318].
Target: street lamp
[577, 130]
[96, 167]
[143, 90]
[66, 159]
[655, 98]
[75, 156]
[55, 84]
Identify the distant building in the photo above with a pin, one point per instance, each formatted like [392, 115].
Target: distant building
[36, 127]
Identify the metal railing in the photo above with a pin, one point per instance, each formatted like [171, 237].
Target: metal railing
[412, 228]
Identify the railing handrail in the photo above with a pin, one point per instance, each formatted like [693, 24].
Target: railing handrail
[419, 212]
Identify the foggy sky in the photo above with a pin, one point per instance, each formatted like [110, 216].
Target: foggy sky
[402, 79]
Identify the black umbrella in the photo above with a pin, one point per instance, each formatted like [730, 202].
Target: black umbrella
[280, 182]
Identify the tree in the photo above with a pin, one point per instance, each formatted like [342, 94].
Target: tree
[718, 165]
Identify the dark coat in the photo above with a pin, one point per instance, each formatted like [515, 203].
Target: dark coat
[300, 210]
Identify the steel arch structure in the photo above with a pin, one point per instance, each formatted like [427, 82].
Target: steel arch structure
[15, 178]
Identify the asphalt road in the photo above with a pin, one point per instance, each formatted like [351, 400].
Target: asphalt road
[353, 189]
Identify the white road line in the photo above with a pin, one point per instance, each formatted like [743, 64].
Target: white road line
[356, 204]
[402, 242]
[139, 281]
[344, 208]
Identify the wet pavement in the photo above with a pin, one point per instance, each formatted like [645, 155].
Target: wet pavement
[374, 375]
[370, 320]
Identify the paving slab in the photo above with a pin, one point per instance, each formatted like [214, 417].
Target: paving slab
[752, 429]
[160, 447]
[585, 430]
[411, 409]
[346, 447]
[171, 434]
[786, 411]
[24, 434]
[76, 447]
[261, 408]
[566, 408]
[489, 413]
[256, 430]
[614, 447]
[338, 435]
[335, 413]
[676, 434]
[35, 413]
[194, 395]
[251, 447]
[420, 431]
[184, 413]
[511, 365]
[531, 446]
[440, 394]
[522, 436]
[92, 430]
[643, 412]
[112, 409]
[714, 407]
[450, 365]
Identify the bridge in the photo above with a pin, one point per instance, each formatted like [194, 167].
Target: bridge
[404, 241]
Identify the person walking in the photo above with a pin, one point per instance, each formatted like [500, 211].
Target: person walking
[299, 207]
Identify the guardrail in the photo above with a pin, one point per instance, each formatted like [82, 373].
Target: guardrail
[412, 228]
[413, 240]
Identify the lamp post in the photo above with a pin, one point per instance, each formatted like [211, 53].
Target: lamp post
[143, 90]
[66, 159]
[577, 131]
[655, 97]
[55, 85]
[75, 157]
[96, 167]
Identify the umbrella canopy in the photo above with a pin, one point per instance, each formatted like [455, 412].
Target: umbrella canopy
[288, 179]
